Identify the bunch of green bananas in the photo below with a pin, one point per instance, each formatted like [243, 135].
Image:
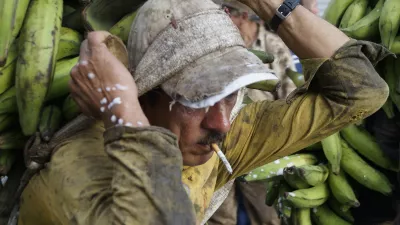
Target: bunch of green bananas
[306, 189]
[376, 20]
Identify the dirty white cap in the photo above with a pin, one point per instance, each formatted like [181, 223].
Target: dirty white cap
[192, 50]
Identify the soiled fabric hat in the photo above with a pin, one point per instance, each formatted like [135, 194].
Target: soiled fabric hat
[192, 50]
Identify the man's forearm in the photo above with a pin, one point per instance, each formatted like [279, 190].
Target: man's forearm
[307, 35]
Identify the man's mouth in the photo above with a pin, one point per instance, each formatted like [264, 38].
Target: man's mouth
[205, 148]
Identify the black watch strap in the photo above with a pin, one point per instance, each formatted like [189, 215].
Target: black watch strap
[282, 12]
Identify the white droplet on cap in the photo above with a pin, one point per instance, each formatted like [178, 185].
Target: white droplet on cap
[113, 118]
[91, 75]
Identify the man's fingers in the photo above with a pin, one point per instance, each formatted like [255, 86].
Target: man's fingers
[97, 37]
[84, 52]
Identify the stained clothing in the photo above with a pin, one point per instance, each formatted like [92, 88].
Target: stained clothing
[77, 183]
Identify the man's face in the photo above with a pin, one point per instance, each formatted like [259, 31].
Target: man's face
[196, 129]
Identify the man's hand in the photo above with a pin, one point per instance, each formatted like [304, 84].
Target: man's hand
[310, 5]
[103, 87]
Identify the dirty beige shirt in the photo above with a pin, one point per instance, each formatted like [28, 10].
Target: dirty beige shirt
[78, 182]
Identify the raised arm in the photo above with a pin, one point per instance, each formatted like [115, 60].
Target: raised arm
[307, 35]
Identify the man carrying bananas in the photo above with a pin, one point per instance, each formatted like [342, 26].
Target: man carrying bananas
[187, 65]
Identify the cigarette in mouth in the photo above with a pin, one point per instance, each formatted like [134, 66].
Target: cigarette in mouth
[222, 157]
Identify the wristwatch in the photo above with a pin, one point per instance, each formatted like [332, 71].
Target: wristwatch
[282, 12]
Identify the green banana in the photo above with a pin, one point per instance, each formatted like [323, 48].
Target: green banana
[7, 120]
[20, 13]
[69, 44]
[333, 151]
[59, 85]
[354, 13]
[313, 175]
[335, 10]
[316, 146]
[283, 208]
[266, 85]
[35, 66]
[272, 192]
[342, 190]
[389, 22]
[389, 108]
[368, 26]
[275, 168]
[13, 139]
[70, 109]
[322, 215]
[293, 178]
[7, 72]
[8, 102]
[301, 216]
[67, 9]
[123, 27]
[338, 209]
[308, 198]
[395, 48]
[265, 57]
[297, 78]
[50, 122]
[389, 74]
[365, 144]
[7, 10]
[7, 159]
[358, 169]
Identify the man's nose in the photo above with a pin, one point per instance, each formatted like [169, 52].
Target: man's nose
[217, 118]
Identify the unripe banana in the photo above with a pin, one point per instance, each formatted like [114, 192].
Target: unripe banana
[50, 122]
[266, 85]
[123, 27]
[301, 216]
[358, 169]
[272, 192]
[389, 22]
[13, 139]
[396, 46]
[20, 13]
[8, 101]
[335, 10]
[67, 9]
[35, 66]
[265, 57]
[70, 109]
[368, 26]
[297, 78]
[388, 107]
[313, 175]
[7, 72]
[7, 10]
[70, 43]
[322, 215]
[293, 178]
[308, 198]
[389, 73]
[333, 151]
[365, 144]
[59, 85]
[342, 190]
[283, 208]
[275, 168]
[354, 13]
[8, 120]
[316, 146]
[7, 159]
[338, 209]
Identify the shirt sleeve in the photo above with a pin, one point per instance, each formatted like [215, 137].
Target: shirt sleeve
[341, 90]
[134, 178]
[147, 182]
